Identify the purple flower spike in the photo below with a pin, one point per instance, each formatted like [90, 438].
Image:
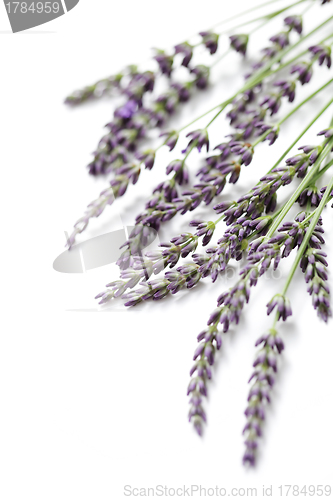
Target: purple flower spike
[239, 43]
[259, 394]
[314, 266]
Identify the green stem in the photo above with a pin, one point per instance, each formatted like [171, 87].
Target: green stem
[228, 51]
[322, 171]
[267, 17]
[308, 235]
[257, 7]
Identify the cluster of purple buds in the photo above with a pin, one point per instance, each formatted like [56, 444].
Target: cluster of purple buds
[171, 138]
[186, 50]
[230, 246]
[314, 266]
[272, 102]
[239, 43]
[294, 23]
[327, 132]
[304, 71]
[292, 234]
[210, 40]
[311, 195]
[323, 53]
[201, 73]
[244, 150]
[263, 378]
[282, 305]
[287, 89]
[164, 61]
[198, 139]
[205, 229]
[147, 157]
[281, 39]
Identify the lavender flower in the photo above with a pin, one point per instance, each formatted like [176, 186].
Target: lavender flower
[164, 61]
[186, 50]
[294, 23]
[210, 40]
[313, 265]
[303, 70]
[263, 379]
[281, 39]
[199, 139]
[201, 73]
[239, 43]
[323, 53]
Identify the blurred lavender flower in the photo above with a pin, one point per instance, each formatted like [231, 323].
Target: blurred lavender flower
[186, 50]
[164, 61]
[239, 43]
[210, 40]
[323, 53]
[294, 23]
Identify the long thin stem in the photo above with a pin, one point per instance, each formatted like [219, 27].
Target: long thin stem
[268, 17]
[257, 7]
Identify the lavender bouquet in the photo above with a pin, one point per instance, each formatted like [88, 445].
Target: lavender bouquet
[256, 228]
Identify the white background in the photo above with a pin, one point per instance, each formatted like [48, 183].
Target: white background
[91, 402]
